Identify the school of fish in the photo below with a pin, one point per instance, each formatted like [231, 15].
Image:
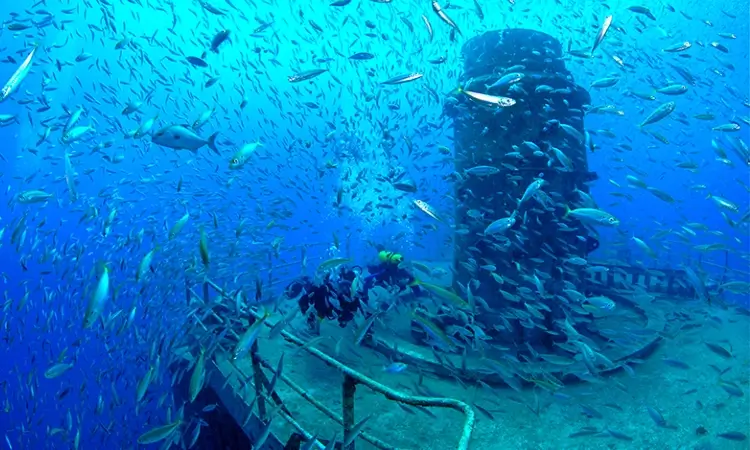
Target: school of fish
[150, 143]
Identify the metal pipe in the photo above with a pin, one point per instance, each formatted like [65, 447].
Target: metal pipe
[389, 393]
[283, 413]
[348, 388]
[326, 410]
[257, 380]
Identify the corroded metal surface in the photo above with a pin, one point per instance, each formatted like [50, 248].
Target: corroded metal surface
[498, 137]
[236, 386]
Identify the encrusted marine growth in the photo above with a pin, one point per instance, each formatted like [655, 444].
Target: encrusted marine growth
[541, 135]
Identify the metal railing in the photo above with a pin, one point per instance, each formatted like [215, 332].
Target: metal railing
[351, 379]
[672, 282]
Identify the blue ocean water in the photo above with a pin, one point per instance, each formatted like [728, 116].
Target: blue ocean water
[322, 183]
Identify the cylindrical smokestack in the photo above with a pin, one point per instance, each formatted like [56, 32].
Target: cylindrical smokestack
[519, 141]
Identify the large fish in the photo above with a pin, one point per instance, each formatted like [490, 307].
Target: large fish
[444, 17]
[17, 77]
[659, 113]
[602, 33]
[401, 79]
[33, 196]
[180, 137]
[240, 158]
[218, 39]
[306, 75]
[98, 300]
[496, 100]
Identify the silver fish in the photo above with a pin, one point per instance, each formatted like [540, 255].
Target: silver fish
[17, 77]
[180, 137]
[602, 32]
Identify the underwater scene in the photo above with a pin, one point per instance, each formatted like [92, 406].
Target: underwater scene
[375, 224]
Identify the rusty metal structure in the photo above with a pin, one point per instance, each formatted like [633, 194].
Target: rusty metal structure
[238, 421]
[484, 136]
[549, 112]
[245, 397]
